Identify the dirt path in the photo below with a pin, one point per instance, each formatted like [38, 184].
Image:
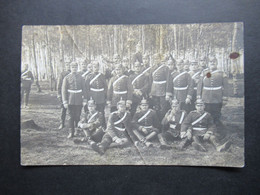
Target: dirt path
[50, 146]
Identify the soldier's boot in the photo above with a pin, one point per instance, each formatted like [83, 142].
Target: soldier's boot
[140, 137]
[219, 147]
[96, 147]
[71, 134]
[61, 125]
[164, 145]
[199, 147]
[184, 143]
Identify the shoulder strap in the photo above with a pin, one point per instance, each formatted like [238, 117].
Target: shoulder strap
[92, 80]
[199, 119]
[145, 115]
[119, 79]
[92, 117]
[120, 120]
[179, 75]
[158, 69]
[182, 117]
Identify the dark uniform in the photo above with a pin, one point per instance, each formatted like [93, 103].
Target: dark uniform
[59, 86]
[119, 87]
[202, 128]
[147, 120]
[73, 89]
[26, 82]
[139, 82]
[158, 79]
[119, 126]
[211, 90]
[96, 87]
[179, 86]
[94, 122]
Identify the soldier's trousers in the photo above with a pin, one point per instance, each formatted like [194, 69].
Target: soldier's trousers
[106, 141]
[63, 114]
[215, 110]
[74, 112]
[26, 91]
[159, 105]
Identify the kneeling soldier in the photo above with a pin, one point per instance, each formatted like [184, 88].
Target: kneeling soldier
[145, 124]
[171, 124]
[91, 124]
[118, 129]
[198, 126]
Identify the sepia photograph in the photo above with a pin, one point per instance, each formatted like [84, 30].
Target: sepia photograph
[157, 94]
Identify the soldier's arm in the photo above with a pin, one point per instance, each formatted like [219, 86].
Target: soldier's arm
[165, 118]
[186, 123]
[110, 90]
[64, 90]
[225, 85]
[190, 86]
[104, 83]
[200, 86]
[99, 121]
[87, 85]
[83, 85]
[129, 91]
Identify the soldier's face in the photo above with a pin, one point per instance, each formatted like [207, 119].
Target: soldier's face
[125, 63]
[171, 65]
[119, 70]
[145, 61]
[95, 67]
[91, 108]
[175, 108]
[144, 107]
[179, 66]
[194, 67]
[67, 67]
[121, 107]
[74, 68]
[212, 64]
[200, 107]
[137, 67]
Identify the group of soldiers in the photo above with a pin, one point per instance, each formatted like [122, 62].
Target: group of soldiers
[150, 99]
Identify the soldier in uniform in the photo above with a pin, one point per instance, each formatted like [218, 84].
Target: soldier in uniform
[73, 89]
[119, 87]
[145, 125]
[91, 124]
[146, 63]
[211, 89]
[158, 79]
[86, 71]
[126, 66]
[195, 73]
[60, 81]
[171, 124]
[96, 87]
[179, 86]
[198, 126]
[140, 83]
[26, 82]
[138, 54]
[118, 130]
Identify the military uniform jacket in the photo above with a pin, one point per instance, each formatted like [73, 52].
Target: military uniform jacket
[195, 77]
[73, 89]
[27, 79]
[119, 125]
[60, 80]
[198, 123]
[85, 74]
[96, 119]
[175, 122]
[211, 89]
[180, 86]
[140, 81]
[96, 87]
[158, 79]
[147, 119]
[119, 87]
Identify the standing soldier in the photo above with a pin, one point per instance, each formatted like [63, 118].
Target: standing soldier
[179, 86]
[198, 126]
[26, 82]
[158, 79]
[92, 124]
[87, 70]
[59, 96]
[211, 89]
[119, 87]
[118, 129]
[73, 89]
[146, 63]
[171, 124]
[96, 87]
[140, 83]
[138, 54]
[145, 124]
[195, 76]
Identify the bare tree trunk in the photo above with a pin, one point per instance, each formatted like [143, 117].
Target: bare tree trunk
[61, 60]
[35, 65]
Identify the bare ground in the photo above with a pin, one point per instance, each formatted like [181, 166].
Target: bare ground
[50, 146]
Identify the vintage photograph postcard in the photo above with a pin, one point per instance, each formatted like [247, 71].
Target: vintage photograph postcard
[169, 94]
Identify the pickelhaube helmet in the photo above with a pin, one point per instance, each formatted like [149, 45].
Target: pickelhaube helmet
[199, 102]
[121, 102]
[144, 101]
[91, 102]
[174, 102]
